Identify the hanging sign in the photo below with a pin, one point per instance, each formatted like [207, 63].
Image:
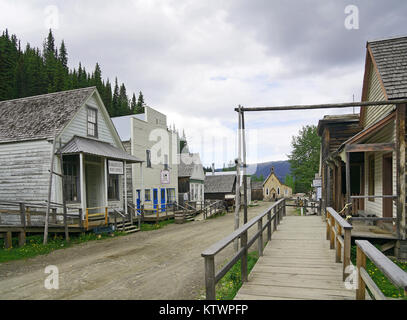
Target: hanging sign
[115, 167]
[165, 177]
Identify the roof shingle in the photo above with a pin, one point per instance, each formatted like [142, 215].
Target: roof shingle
[40, 117]
[391, 59]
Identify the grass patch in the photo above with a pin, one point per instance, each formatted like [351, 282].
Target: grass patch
[155, 226]
[388, 289]
[34, 246]
[229, 285]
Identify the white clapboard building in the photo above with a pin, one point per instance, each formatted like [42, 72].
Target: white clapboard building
[93, 156]
[147, 137]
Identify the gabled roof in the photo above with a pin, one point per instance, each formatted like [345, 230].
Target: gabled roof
[98, 148]
[336, 119]
[40, 117]
[257, 185]
[271, 174]
[390, 57]
[220, 184]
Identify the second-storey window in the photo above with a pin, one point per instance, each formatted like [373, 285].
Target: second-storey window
[92, 122]
[148, 156]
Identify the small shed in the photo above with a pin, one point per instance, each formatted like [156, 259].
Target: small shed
[218, 186]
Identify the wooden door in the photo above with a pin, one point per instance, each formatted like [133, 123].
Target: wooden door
[387, 183]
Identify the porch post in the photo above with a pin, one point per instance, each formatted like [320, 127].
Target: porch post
[401, 170]
[142, 191]
[348, 211]
[125, 188]
[82, 181]
[106, 183]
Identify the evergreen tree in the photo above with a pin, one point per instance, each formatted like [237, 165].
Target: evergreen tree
[133, 104]
[123, 101]
[140, 103]
[28, 72]
[63, 56]
[115, 100]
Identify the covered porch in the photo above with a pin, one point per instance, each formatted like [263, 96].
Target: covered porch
[94, 177]
[366, 181]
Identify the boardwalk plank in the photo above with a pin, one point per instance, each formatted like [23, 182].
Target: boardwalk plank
[297, 264]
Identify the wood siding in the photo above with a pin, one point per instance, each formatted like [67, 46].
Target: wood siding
[78, 125]
[387, 134]
[24, 171]
[375, 93]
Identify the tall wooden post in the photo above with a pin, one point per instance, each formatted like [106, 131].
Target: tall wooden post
[244, 169]
[49, 192]
[401, 170]
[348, 183]
[237, 191]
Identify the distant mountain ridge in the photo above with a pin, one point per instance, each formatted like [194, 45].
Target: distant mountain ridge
[281, 168]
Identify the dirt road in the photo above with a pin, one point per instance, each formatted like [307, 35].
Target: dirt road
[160, 264]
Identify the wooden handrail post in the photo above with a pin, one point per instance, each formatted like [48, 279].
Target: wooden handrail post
[260, 239]
[284, 208]
[274, 219]
[269, 225]
[332, 234]
[80, 218]
[87, 219]
[328, 227]
[210, 277]
[346, 252]
[243, 244]
[338, 245]
[54, 215]
[22, 215]
[66, 223]
[115, 220]
[106, 217]
[360, 263]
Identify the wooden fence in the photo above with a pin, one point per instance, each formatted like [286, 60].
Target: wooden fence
[338, 232]
[274, 215]
[396, 275]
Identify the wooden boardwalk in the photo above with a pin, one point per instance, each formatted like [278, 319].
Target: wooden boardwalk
[297, 264]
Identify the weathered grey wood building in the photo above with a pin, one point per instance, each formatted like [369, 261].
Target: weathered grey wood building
[93, 156]
[374, 158]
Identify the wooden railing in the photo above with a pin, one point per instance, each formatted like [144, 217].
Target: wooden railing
[274, 214]
[212, 208]
[396, 275]
[338, 232]
[24, 215]
[96, 216]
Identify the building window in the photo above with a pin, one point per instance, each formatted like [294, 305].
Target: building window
[113, 187]
[170, 195]
[92, 122]
[267, 191]
[278, 191]
[147, 195]
[71, 178]
[148, 157]
[371, 185]
[166, 162]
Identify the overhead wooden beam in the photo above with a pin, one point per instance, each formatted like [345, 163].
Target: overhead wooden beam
[370, 147]
[324, 106]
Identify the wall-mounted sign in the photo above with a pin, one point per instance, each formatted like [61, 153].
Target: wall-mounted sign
[165, 177]
[316, 183]
[115, 167]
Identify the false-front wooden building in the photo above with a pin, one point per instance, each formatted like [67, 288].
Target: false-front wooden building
[93, 156]
[367, 170]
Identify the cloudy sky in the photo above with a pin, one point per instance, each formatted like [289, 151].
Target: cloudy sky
[197, 60]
